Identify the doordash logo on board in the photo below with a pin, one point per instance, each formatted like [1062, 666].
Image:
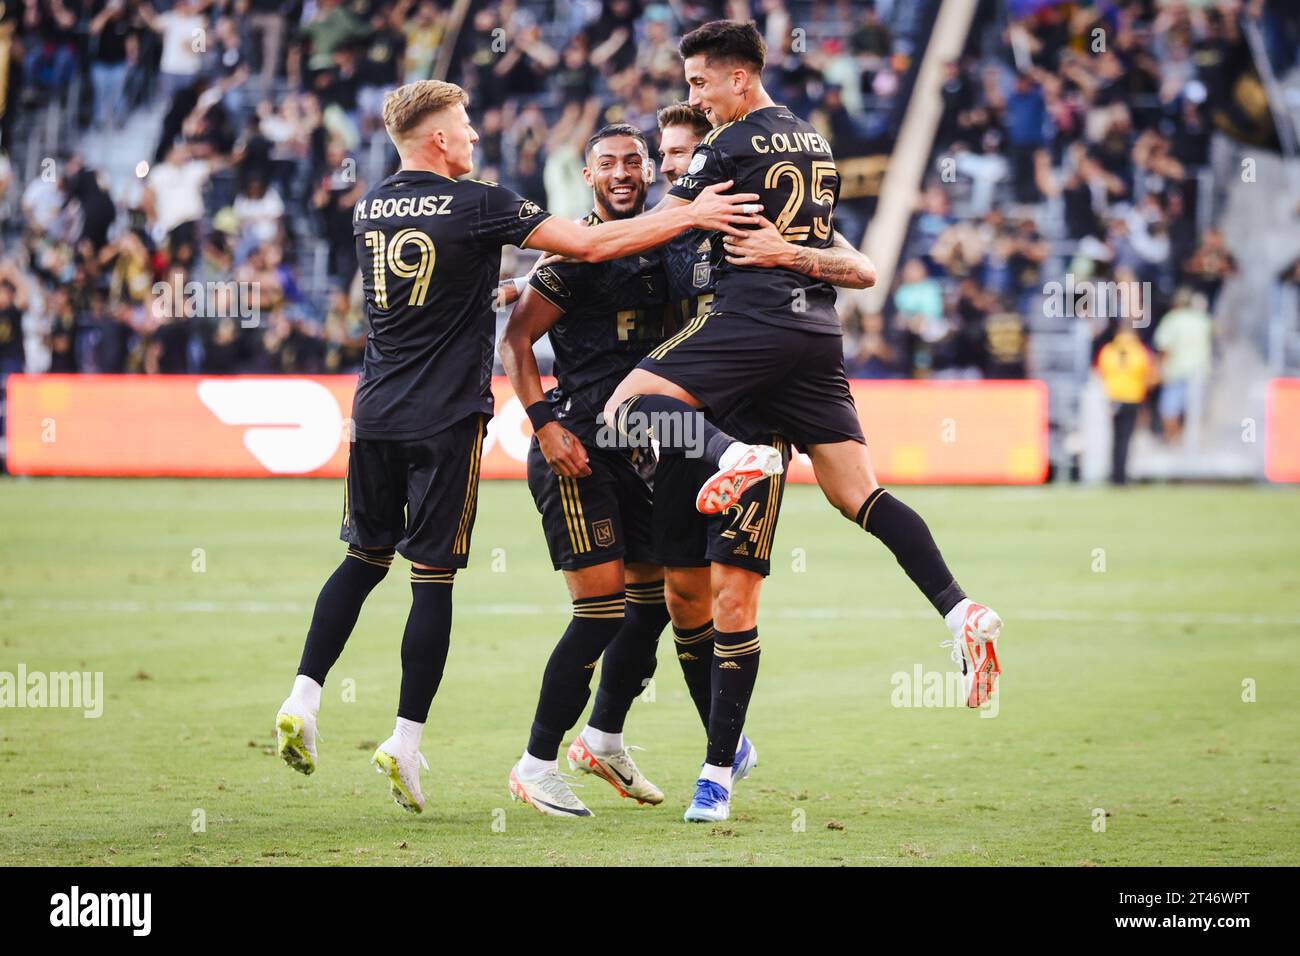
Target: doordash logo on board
[298, 422]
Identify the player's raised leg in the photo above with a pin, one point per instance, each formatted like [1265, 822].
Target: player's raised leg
[337, 609]
[848, 480]
[626, 667]
[646, 404]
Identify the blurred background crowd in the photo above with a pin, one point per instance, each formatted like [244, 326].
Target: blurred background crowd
[205, 141]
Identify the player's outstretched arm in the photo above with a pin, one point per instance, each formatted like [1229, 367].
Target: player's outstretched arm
[530, 320]
[711, 211]
[766, 248]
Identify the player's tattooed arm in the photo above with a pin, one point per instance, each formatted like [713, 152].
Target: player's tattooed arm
[765, 248]
[530, 320]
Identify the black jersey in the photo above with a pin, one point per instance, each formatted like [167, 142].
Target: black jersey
[689, 269]
[789, 164]
[614, 314]
[429, 249]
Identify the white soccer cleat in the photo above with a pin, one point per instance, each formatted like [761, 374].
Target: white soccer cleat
[975, 650]
[618, 769]
[550, 794]
[403, 771]
[295, 736]
[740, 467]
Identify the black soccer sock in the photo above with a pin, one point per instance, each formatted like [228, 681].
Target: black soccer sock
[735, 668]
[905, 533]
[426, 641]
[695, 653]
[566, 683]
[630, 659]
[677, 427]
[337, 609]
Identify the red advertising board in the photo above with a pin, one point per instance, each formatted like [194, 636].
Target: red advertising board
[266, 426]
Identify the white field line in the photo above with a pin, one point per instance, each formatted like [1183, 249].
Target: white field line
[1226, 619]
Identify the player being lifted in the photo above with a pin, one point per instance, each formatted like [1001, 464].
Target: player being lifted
[429, 249]
[594, 502]
[773, 335]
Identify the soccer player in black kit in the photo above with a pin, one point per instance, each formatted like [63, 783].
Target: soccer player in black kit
[429, 249]
[595, 503]
[773, 336]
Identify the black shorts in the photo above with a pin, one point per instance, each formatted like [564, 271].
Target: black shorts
[741, 536]
[602, 517]
[418, 496]
[795, 378]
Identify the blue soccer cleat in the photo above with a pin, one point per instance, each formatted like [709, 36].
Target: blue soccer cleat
[746, 760]
[711, 804]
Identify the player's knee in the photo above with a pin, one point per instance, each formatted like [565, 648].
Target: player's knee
[848, 499]
[687, 594]
[687, 607]
[735, 608]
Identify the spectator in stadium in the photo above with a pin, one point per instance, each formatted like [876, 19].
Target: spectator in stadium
[1183, 338]
[61, 331]
[182, 30]
[258, 213]
[50, 60]
[173, 198]
[267, 20]
[985, 168]
[1026, 120]
[110, 34]
[1210, 266]
[873, 353]
[13, 304]
[1005, 351]
[1127, 371]
[333, 199]
[332, 27]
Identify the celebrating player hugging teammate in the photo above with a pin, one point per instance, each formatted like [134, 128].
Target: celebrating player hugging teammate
[773, 337]
[616, 548]
[424, 396]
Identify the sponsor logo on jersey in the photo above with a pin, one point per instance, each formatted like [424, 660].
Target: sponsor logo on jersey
[547, 277]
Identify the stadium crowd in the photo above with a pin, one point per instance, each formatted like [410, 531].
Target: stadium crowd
[269, 108]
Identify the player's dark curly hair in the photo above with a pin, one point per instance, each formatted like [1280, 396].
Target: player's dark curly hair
[616, 129]
[727, 40]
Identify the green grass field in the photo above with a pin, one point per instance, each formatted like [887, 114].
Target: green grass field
[1122, 690]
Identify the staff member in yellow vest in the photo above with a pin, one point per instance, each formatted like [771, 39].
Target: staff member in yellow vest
[1128, 370]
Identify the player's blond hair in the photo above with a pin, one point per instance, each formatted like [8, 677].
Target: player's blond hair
[407, 105]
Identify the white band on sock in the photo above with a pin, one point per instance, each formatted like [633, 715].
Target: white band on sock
[719, 775]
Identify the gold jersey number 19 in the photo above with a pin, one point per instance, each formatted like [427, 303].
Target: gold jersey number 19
[389, 251]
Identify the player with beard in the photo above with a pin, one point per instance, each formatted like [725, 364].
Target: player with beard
[595, 510]
[594, 500]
